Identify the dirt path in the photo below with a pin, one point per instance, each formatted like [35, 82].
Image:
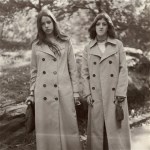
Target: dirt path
[141, 137]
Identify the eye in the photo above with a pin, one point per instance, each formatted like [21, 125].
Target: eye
[97, 24]
[104, 24]
[42, 23]
[49, 22]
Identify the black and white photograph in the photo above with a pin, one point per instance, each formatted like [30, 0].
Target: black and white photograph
[74, 74]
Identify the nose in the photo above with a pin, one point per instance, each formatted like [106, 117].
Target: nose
[101, 26]
[46, 25]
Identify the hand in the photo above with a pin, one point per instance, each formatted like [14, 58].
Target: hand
[77, 101]
[90, 101]
[119, 99]
[29, 100]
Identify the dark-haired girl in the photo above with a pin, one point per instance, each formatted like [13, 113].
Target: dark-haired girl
[105, 81]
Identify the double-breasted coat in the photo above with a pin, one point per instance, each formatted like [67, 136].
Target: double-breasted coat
[54, 81]
[104, 77]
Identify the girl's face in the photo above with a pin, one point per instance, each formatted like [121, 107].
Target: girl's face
[47, 25]
[101, 27]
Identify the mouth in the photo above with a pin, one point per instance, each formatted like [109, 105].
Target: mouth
[100, 31]
[48, 30]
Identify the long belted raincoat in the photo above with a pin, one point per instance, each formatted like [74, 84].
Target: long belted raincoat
[104, 77]
[54, 81]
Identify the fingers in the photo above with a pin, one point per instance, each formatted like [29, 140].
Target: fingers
[90, 101]
[29, 100]
[119, 100]
[77, 101]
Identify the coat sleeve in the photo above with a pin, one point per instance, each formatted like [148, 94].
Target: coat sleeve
[33, 68]
[72, 67]
[122, 85]
[85, 74]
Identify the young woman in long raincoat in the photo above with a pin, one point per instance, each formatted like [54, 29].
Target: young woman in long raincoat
[54, 87]
[105, 81]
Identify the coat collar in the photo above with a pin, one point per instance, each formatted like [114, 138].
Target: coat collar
[94, 49]
[110, 50]
[45, 48]
[109, 40]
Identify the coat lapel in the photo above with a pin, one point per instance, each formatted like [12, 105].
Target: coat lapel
[110, 49]
[108, 52]
[94, 49]
[44, 48]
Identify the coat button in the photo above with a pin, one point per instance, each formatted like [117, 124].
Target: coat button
[94, 75]
[55, 85]
[54, 59]
[111, 75]
[88, 77]
[94, 63]
[45, 98]
[93, 88]
[44, 85]
[92, 100]
[44, 72]
[56, 98]
[110, 62]
[55, 72]
[113, 89]
[43, 59]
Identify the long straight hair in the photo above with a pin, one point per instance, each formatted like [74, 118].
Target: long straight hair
[41, 36]
[110, 32]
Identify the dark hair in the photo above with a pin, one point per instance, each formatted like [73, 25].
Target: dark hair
[41, 36]
[110, 31]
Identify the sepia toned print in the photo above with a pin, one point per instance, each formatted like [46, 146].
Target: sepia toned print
[18, 43]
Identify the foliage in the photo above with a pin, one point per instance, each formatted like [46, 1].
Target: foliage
[21, 27]
[131, 18]
[139, 85]
[13, 45]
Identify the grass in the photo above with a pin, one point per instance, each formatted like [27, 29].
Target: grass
[15, 84]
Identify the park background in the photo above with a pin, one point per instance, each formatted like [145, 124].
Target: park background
[17, 31]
